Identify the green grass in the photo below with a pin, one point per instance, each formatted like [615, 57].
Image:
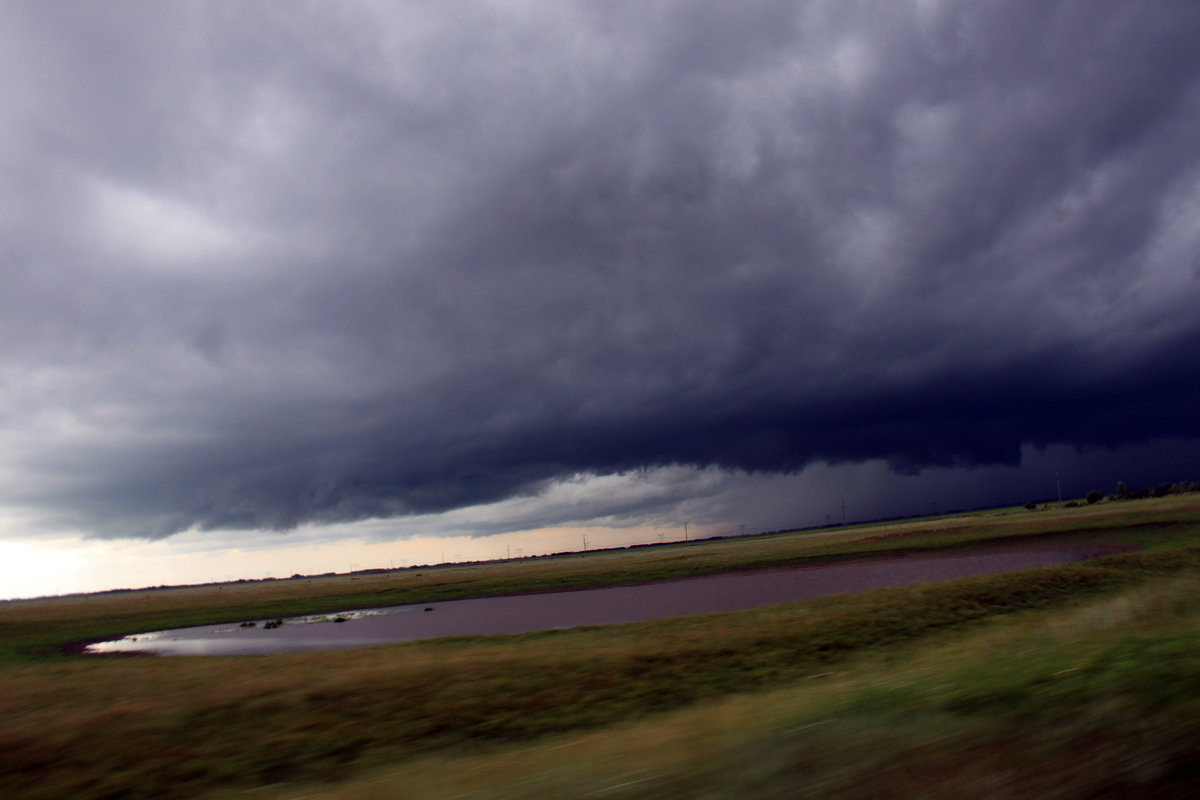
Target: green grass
[91, 728]
[36, 630]
[1099, 700]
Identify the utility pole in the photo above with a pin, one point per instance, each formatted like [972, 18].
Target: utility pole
[685, 534]
[584, 542]
[743, 529]
[1058, 481]
[843, 512]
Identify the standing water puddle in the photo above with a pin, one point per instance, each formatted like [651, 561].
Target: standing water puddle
[617, 604]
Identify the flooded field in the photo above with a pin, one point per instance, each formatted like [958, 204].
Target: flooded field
[611, 605]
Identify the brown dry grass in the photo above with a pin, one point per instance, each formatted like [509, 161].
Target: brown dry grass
[113, 612]
[1096, 701]
[145, 727]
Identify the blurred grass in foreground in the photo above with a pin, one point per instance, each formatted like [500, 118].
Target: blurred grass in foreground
[988, 682]
[1098, 701]
[173, 728]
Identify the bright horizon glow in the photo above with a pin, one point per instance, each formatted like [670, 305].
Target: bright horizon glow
[79, 566]
[715, 503]
[29, 569]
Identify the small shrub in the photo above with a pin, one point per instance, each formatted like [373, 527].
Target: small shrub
[1094, 497]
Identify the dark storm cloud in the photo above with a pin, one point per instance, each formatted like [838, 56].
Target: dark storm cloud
[270, 264]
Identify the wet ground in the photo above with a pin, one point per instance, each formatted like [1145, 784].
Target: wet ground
[522, 613]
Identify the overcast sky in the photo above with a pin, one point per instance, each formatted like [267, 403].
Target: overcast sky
[304, 272]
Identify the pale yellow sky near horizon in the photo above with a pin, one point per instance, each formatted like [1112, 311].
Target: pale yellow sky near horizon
[36, 562]
[70, 565]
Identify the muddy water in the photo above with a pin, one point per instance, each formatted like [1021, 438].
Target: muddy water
[521, 613]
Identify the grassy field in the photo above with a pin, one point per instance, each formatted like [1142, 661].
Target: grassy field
[38, 629]
[1101, 700]
[1062, 678]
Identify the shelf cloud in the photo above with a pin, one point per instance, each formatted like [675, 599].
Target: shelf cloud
[276, 264]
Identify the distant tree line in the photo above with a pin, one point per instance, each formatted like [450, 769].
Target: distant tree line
[1123, 492]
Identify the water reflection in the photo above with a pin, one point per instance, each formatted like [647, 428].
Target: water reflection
[522, 613]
